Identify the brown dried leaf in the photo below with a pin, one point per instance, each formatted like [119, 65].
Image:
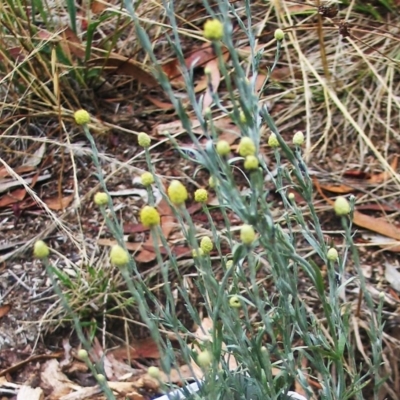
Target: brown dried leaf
[57, 203]
[120, 65]
[4, 310]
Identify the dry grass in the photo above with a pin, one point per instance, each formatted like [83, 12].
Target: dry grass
[343, 95]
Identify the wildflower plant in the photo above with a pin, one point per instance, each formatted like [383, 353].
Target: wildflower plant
[262, 331]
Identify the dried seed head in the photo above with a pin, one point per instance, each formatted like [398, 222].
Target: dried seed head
[328, 11]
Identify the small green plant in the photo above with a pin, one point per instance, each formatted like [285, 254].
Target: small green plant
[259, 337]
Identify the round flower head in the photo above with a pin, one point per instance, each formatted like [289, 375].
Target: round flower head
[279, 34]
[149, 216]
[144, 140]
[212, 182]
[291, 196]
[273, 140]
[197, 253]
[41, 250]
[332, 254]
[298, 138]
[204, 359]
[101, 199]
[177, 193]
[229, 264]
[242, 117]
[341, 206]
[82, 117]
[147, 178]
[247, 147]
[213, 29]
[234, 302]
[154, 372]
[223, 148]
[119, 256]
[201, 195]
[206, 245]
[100, 378]
[83, 354]
[247, 234]
[250, 163]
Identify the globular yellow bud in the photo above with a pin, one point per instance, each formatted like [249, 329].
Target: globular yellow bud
[197, 253]
[213, 29]
[251, 162]
[332, 254]
[201, 195]
[247, 234]
[100, 378]
[247, 147]
[229, 264]
[207, 70]
[341, 206]
[273, 140]
[291, 196]
[149, 216]
[223, 148]
[147, 178]
[204, 359]
[41, 250]
[242, 117]
[83, 355]
[298, 138]
[279, 34]
[144, 139]
[208, 113]
[206, 245]
[82, 117]
[212, 182]
[234, 302]
[101, 199]
[154, 372]
[177, 193]
[119, 256]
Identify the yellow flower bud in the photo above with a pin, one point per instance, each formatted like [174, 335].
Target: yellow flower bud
[279, 34]
[201, 195]
[101, 199]
[144, 139]
[40, 250]
[204, 359]
[341, 206]
[251, 162]
[223, 148]
[291, 196]
[298, 138]
[83, 354]
[242, 117]
[229, 264]
[149, 216]
[100, 378]
[206, 245]
[234, 302]
[82, 117]
[247, 147]
[273, 140]
[332, 254]
[154, 372]
[212, 182]
[119, 256]
[247, 234]
[177, 193]
[213, 29]
[197, 253]
[147, 178]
